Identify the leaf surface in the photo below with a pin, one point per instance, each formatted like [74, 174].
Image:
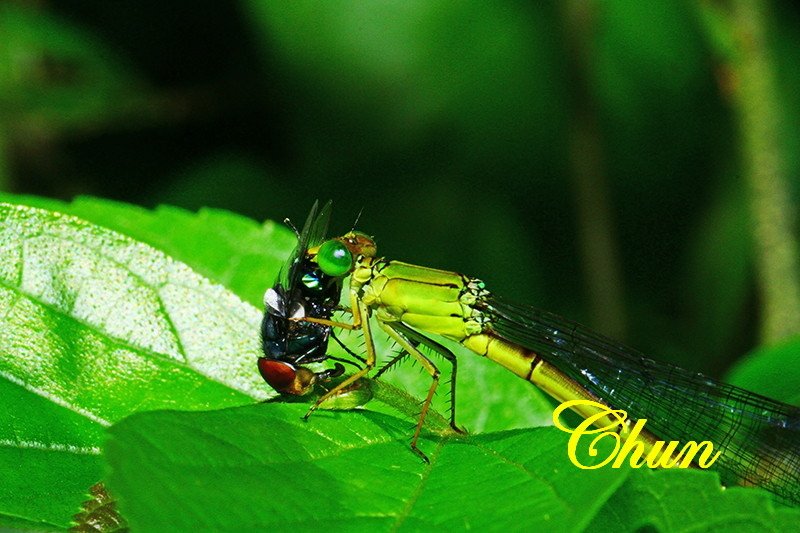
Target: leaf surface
[691, 500]
[227, 248]
[246, 256]
[98, 326]
[95, 327]
[262, 467]
[772, 371]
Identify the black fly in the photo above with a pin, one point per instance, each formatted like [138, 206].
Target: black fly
[302, 290]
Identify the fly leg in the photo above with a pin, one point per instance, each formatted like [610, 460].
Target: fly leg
[359, 310]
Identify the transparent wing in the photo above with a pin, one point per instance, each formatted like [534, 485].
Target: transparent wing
[312, 234]
[759, 437]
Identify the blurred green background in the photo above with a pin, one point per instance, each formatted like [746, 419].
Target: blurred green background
[583, 157]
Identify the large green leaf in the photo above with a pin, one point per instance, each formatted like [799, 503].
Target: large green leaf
[95, 327]
[681, 500]
[771, 370]
[49, 455]
[227, 248]
[98, 326]
[262, 467]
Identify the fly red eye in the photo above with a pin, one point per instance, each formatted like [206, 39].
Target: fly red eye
[281, 376]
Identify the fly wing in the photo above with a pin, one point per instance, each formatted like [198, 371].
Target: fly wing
[281, 338]
[759, 437]
[312, 234]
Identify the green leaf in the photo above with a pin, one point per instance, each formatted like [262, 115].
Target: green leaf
[99, 326]
[49, 454]
[44, 482]
[262, 467]
[16, 523]
[690, 500]
[227, 248]
[74, 260]
[95, 327]
[772, 371]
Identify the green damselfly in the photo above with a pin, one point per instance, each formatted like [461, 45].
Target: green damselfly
[759, 437]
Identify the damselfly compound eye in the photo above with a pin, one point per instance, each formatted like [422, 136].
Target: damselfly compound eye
[334, 258]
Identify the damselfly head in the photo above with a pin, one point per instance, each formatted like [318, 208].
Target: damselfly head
[360, 244]
[336, 257]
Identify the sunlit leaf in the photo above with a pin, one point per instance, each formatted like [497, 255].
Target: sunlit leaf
[227, 248]
[95, 327]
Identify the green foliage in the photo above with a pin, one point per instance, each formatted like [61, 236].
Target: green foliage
[245, 257]
[263, 467]
[57, 76]
[226, 248]
[680, 500]
[99, 326]
[771, 370]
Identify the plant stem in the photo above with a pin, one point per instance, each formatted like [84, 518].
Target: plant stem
[756, 102]
[596, 228]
